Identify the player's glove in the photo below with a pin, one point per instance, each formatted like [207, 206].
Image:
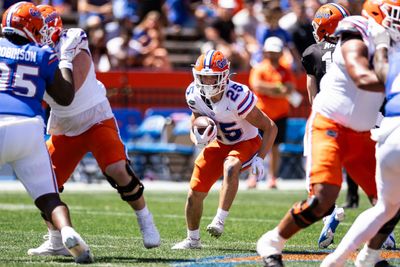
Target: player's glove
[257, 168]
[379, 34]
[208, 135]
[70, 45]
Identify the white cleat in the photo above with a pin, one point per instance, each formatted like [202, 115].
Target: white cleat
[215, 228]
[150, 234]
[78, 248]
[367, 259]
[188, 243]
[50, 247]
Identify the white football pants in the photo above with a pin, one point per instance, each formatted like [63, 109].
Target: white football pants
[22, 145]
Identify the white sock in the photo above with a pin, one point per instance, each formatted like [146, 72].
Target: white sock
[54, 233]
[273, 243]
[277, 237]
[372, 252]
[221, 215]
[143, 212]
[195, 234]
[67, 231]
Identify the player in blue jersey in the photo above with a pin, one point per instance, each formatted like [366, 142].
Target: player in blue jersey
[26, 72]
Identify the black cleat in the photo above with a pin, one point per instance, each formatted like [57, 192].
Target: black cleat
[273, 261]
[383, 263]
[351, 203]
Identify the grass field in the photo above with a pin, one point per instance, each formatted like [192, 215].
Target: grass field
[110, 228]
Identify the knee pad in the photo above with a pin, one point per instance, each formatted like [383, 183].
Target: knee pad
[388, 227]
[129, 187]
[47, 203]
[303, 212]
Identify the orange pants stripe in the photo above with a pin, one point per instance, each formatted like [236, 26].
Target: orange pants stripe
[334, 146]
[208, 166]
[102, 139]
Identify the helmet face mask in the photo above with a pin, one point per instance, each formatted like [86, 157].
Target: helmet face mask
[211, 73]
[25, 20]
[385, 13]
[392, 20]
[53, 24]
[326, 20]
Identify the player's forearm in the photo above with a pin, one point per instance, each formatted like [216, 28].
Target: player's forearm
[381, 65]
[270, 132]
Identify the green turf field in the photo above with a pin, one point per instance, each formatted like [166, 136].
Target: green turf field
[110, 228]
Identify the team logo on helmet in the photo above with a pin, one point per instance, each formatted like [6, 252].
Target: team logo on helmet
[221, 63]
[323, 14]
[34, 13]
[51, 17]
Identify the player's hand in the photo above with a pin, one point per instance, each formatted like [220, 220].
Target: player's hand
[257, 167]
[379, 34]
[208, 135]
[70, 46]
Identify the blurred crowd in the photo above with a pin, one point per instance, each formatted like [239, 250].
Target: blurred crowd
[132, 33]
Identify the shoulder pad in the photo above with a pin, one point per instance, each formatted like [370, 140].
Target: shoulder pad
[190, 97]
[243, 98]
[352, 24]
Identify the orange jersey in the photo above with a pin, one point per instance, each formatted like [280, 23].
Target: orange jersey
[274, 107]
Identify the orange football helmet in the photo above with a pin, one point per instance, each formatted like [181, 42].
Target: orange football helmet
[385, 13]
[54, 24]
[211, 73]
[24, 19]
[326, 20]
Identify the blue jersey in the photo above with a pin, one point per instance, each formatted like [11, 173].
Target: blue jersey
[392, 86]
[25, 72]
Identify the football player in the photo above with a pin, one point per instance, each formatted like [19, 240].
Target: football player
[27, 72]
[316, 60]
[230, 147]
[343, 113]
[87, 125]
[384, 29]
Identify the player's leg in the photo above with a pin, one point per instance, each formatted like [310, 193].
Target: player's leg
[230, 185]
[325, 177]
[109, 151]
[352, 197]
[35, 172]
[239, 158]
[65, 153]
[370, 221]
[208, 168]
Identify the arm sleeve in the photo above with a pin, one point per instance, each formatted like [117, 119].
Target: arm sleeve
[49, 65]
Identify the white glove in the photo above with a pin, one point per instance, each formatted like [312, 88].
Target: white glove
[379, 34]
[257, 168]
[203, 139]
[71, 44]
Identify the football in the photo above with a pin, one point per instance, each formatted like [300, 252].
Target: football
[202, 122]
